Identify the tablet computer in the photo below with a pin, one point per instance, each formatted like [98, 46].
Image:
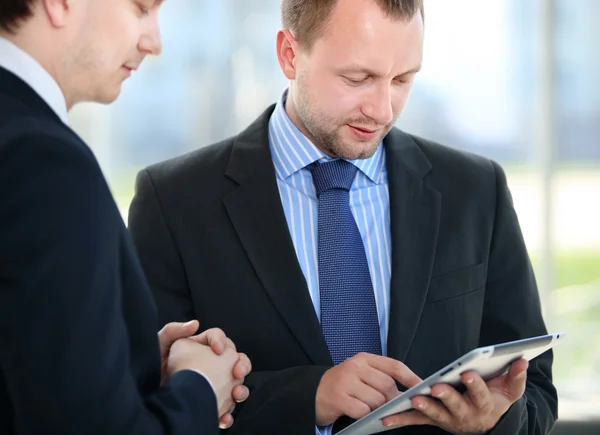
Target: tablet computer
[489, 362]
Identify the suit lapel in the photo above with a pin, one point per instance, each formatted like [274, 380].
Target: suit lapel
[415, 214]
[255, 210]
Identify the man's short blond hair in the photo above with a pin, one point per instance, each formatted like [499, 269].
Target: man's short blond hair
[307, 19]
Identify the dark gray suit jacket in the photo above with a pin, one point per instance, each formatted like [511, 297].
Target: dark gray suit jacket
[213, 239]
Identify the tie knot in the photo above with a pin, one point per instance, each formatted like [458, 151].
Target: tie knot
[338, 174]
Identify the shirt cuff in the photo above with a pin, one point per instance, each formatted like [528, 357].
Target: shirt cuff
[324, 430]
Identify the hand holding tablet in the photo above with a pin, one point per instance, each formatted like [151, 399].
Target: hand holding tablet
[494, 376]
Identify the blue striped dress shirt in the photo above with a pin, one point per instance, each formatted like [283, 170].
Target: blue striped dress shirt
[369, 202]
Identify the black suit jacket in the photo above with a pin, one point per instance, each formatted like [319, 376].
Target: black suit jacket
[212, 236]
[79, 352]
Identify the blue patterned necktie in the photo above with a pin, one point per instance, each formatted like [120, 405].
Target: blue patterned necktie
[348, 311]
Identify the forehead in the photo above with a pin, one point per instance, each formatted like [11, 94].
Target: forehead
[359, 31]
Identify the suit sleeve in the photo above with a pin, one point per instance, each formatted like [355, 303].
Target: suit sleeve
[512, 311]
[65, 351]
[288, 394]
[158, 254]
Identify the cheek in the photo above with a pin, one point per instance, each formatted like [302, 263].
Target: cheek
[399, 99]
[126, 37]
[122, 37]
[342, 101]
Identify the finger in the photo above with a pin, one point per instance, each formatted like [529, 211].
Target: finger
[366, 394]
[380, 381]
[355, 408]
[240, 393]
[215, 338]
[190, 327]
[243, 367]
[478, 391]
[395, 369]
[231, 355]
[516, 379]
[226, 421]
[230, 358]
[173, 331]
[408, 418]
[215, 335]
[455, 403]
[435, 411]
[501, 383]
[230, 344]
[226, 407]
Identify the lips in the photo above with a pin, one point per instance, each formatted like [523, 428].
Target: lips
[364, 130]
[363, 134]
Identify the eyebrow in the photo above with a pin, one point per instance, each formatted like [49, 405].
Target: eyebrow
[355, 68]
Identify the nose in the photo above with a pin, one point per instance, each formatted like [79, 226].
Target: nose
[150, 41]
[379, 105]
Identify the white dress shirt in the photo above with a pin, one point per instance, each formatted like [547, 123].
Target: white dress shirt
[21, 64]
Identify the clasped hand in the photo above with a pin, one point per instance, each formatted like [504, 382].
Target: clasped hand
[211, 353]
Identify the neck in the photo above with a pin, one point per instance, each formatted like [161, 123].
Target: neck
[292, 112]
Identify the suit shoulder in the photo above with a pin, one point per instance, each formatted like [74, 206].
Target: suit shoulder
[44, 154]
[208, 160]
[460, 171]
[444, 156]
[451, 165]
[33, 135]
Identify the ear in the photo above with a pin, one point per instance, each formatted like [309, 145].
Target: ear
[287, 50]
[58, 11]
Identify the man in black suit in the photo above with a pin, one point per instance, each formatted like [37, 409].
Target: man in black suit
[79, 352]
[342, 254]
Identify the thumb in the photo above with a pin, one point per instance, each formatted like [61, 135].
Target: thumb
[190, 327]
[516, 378]
[173, 331]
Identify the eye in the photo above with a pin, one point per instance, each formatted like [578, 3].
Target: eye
[355, 81]
[402, 80]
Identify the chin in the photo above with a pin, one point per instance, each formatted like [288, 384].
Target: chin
[357, 151]
[367, 152]
[354, 150]
[111, 98]
[108, 95]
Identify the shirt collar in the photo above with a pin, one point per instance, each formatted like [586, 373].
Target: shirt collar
[292, 150]
[21, 64]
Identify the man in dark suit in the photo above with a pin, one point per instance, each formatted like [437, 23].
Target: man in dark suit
[342, 254]
[79, 352]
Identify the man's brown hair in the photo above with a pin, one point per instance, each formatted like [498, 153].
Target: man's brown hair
[13, 12]
[306, 19]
